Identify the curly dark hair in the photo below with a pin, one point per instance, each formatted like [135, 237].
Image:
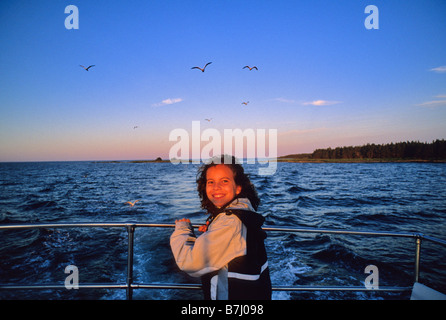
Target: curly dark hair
[240, 177]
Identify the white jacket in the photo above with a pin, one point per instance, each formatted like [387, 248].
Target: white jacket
[210, 255]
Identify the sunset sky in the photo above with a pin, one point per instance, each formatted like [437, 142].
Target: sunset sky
[323, 78]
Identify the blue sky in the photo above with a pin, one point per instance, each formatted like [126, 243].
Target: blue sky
[324, 80]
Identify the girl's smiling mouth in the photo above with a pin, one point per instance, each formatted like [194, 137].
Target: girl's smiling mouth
[218, 195]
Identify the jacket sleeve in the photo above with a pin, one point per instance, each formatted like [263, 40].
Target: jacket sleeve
[224, 241]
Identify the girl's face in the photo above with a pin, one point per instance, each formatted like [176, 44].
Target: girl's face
[220, 185]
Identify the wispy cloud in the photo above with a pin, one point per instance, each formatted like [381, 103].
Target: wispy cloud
[312, 103]
[441, 69]
[167, 102]
[321, 103]
[435, 103]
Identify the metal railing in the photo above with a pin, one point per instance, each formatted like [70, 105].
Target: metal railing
[129, 286]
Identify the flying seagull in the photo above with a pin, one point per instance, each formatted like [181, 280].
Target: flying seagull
[87, 67]
[208, 120]
[202, 70]
[245, 103]
[250, 68]
[135, 127]
[131, 203]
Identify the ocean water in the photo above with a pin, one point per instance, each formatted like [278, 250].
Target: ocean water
[395, 197]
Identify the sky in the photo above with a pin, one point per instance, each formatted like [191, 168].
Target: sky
[324, 79]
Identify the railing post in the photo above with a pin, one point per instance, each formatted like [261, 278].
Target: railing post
[131, 232]
[417, 257]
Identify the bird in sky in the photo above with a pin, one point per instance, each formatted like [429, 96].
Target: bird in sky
[245, 103]
[131, 203]
[250, 68]
[208, 120]
[202, 70]
[87, 67]
[135, 127]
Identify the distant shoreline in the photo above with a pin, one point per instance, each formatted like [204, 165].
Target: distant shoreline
[391, 160]
[132, 161]
[410, 151]
[303, 160]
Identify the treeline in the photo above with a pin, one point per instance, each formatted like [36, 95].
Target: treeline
[401, 150]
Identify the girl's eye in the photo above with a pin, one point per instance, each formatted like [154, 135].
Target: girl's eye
[210, 182]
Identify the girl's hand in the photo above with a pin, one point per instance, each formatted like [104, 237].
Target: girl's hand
[204, 228]
[181, 220]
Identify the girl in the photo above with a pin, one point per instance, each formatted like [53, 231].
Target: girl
[230, 255]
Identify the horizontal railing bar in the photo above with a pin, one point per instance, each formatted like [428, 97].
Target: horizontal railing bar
[61, 286]
[339, 288]
[273, 229]
[198, 287]
[65, 225]
[433, 239]
[278, 288]
[165, 286]
[340, 231]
